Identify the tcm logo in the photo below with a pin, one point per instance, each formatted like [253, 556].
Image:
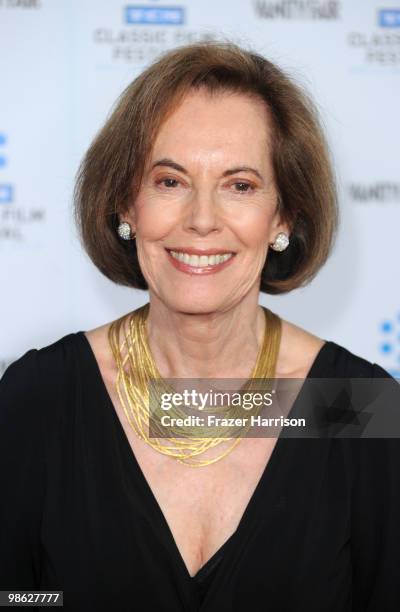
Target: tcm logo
[6, 193]
[389, 18]
[160, 15]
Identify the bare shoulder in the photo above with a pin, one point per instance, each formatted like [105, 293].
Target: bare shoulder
[98, 340]
[299, 348]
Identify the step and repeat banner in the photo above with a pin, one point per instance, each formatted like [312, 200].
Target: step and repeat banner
[62, 65]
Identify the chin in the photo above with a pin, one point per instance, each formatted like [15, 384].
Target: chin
[202, 305]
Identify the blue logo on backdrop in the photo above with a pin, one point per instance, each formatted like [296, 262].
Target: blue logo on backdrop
[390, 343]
[389, 18]
[6, 193]
[149, 15]
[3, 158]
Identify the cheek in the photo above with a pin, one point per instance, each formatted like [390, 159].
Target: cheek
[155, 219]
[253, 226]
[249, 222]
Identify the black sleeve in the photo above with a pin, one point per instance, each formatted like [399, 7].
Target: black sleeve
[22, 474]
[375, 532]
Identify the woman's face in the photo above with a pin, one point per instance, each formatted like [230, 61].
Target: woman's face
[207, 192]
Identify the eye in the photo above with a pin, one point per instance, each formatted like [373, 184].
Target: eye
[167, 182]
[243, 187]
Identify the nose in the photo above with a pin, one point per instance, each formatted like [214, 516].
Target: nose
[203, 216]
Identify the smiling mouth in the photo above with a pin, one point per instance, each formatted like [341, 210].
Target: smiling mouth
[200, 263]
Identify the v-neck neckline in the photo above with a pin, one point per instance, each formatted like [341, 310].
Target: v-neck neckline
[251, 507]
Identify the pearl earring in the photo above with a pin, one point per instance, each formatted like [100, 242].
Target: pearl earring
[281, 242]
[125, 232]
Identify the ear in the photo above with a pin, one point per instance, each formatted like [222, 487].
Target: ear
[129, 216]
[278, 225]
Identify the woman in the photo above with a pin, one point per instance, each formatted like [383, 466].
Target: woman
[209, 182]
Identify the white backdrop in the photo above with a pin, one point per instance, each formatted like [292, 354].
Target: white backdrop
[62, 65]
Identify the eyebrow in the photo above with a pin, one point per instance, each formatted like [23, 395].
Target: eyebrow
[171, 164]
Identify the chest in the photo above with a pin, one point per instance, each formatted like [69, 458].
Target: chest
[203, 506]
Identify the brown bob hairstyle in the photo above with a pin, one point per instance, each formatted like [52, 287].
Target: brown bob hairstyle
[110, 174]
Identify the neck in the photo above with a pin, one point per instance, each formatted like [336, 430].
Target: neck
[220, 344]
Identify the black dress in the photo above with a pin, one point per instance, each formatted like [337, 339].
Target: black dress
[321, 532]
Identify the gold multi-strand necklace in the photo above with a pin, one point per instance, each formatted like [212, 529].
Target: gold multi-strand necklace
[136, 371]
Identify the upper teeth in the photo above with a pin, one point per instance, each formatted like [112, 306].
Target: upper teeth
[201, 260]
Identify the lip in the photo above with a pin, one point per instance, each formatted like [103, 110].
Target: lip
[193, 251]
[184, 267]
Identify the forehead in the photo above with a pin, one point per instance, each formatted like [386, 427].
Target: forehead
[222, 123]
